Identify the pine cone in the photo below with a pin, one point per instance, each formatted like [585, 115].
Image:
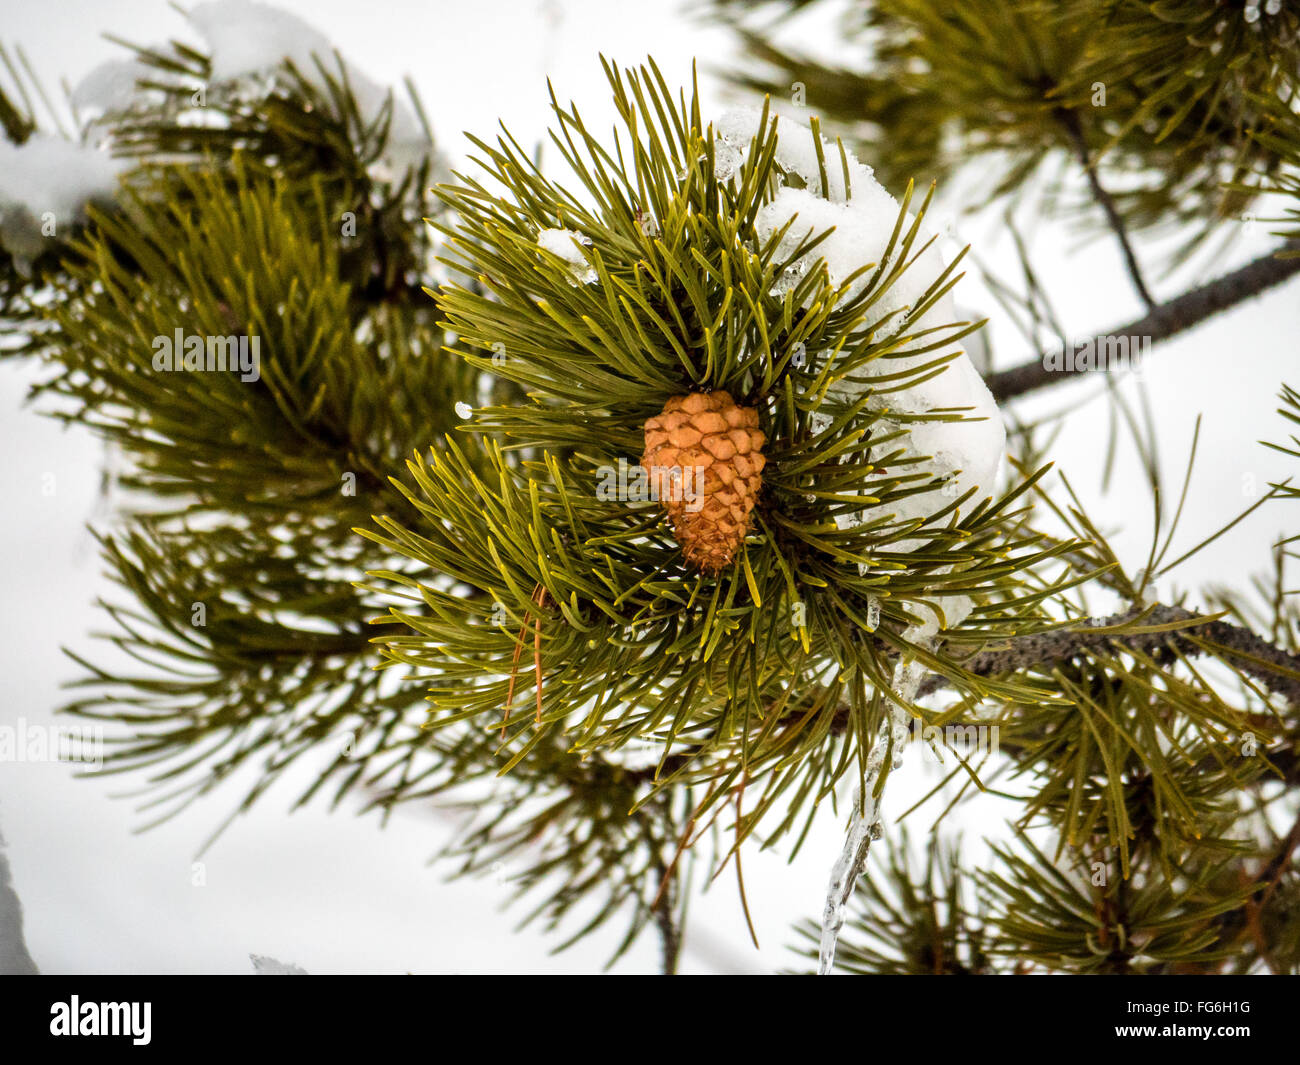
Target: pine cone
[705, 460]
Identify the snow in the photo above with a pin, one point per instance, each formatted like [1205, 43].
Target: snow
[247, 39]
[956, 609]
[860, 219]
[796, 154]
[568, 245]
[728, 158]
[112, 86]
[251, 38]
[45, 184]
[862, 228]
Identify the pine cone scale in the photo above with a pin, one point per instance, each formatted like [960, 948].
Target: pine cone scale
[704, 457]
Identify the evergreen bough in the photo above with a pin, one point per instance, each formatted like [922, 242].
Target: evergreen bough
[611, 714]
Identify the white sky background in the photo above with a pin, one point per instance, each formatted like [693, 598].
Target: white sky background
[334, 893]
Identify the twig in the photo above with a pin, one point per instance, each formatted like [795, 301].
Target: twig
[1073, 127]
[670, 936]
[1276, 669]
[1167, 320]
[1233, 922]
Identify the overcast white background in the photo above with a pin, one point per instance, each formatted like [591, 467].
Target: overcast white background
[334, 892]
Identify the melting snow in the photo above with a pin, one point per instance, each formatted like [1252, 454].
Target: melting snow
[568, 245]
[860, 217]
[45, 184]
[247, 40]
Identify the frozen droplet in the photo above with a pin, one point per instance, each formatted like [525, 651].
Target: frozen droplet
[463, 409]
[877, 830]
[873, 614]
[790, 278]
[727, 160]
[1251, 13]
[1273, 7]
[685, 171]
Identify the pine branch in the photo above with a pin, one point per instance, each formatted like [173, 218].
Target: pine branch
[1166, 320]
[1233, 923]
[1276, 669]
[670, 932]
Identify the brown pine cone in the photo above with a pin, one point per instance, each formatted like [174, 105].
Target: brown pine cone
[705, 461]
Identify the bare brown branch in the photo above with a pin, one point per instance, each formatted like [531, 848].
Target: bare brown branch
[1165, 321]
[1275, 669]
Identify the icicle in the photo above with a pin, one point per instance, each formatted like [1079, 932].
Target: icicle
[685, 171]
[865, 823]
[863, 828]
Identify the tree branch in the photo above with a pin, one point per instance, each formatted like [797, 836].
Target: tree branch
[670, 935]
[1232, 923]
[1164, 321]
[1074, 128]
[1277, 670]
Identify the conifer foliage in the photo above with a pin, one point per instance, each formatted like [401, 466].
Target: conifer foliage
[646, 497]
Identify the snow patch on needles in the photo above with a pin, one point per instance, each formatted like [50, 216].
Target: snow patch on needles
[251, 38]
[860, 216]
[248, 39]
[796, 153]
[861, 226]
[113, 86]
[568, 245]
[45, 184]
